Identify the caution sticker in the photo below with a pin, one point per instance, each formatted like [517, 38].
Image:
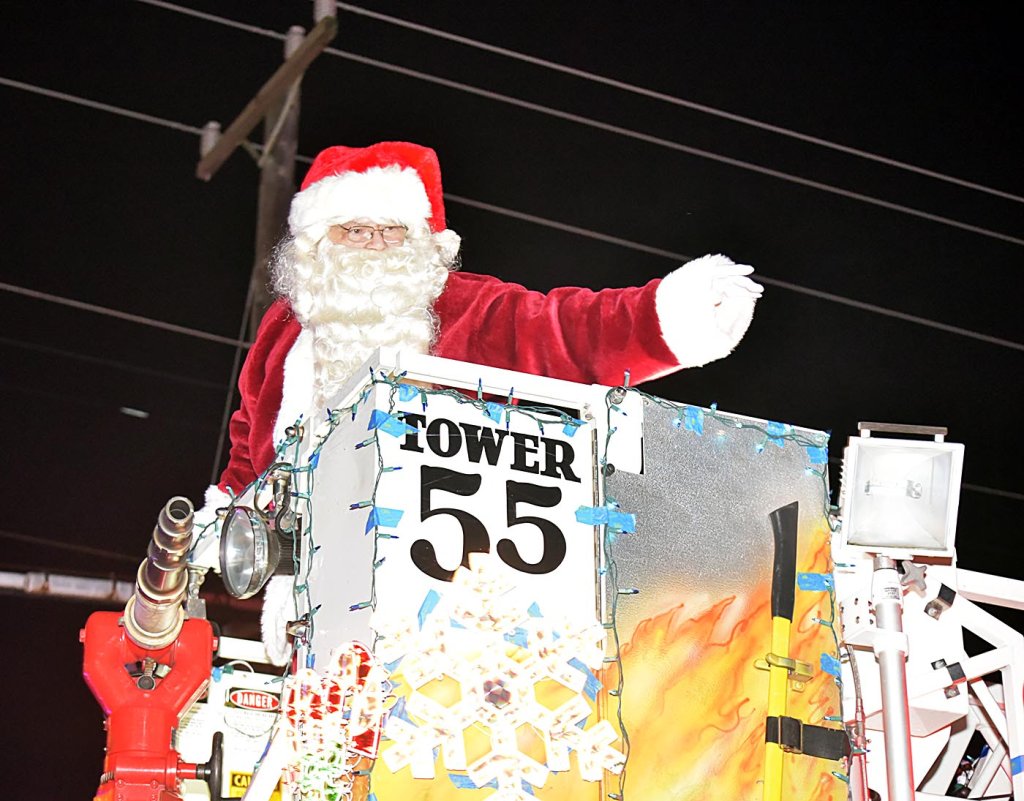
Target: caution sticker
[240, 783]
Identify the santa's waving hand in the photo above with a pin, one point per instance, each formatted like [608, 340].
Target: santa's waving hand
[370, 262]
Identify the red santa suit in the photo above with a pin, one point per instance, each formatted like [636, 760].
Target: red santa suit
[570, 333]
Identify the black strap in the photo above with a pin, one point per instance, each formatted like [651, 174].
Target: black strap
[798, 737]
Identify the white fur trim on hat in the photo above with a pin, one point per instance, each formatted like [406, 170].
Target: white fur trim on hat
[379, 193]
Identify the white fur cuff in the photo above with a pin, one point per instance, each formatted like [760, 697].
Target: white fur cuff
[705, 307]
[214, 499]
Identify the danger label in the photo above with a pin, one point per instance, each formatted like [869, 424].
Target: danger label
[257, 700]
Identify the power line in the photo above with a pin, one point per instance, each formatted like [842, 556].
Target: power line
[117, 365]
[673, 100]
[606, 127]
[120, 315]
[1016, 496]
[586, 232]
[230, 23]
[803, 290]
[669, 144]
[67, 546]
[95, 104]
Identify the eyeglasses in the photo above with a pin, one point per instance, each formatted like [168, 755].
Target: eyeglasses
[362, 234]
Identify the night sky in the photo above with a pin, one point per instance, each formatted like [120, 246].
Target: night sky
[104, 209]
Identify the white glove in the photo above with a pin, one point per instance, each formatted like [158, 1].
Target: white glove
[705, 307]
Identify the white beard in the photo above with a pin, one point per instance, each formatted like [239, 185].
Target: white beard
[355, 300]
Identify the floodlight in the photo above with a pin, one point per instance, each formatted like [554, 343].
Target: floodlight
[249, 552]
[900, 496]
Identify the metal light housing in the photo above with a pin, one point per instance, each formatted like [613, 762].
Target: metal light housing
[249, 552]
[900, 497]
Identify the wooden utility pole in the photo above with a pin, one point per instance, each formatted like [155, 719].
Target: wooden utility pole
[277, 104]
[277, 185]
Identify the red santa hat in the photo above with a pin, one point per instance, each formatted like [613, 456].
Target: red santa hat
[397, 181]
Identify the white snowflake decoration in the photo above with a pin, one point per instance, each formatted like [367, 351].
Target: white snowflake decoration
[496, 647]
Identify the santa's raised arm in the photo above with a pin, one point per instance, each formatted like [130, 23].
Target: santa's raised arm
[369, 262]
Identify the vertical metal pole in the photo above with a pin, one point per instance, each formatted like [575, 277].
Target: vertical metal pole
[890, 646]
[277, 185]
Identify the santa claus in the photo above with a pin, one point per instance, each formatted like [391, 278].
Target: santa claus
[369, 262]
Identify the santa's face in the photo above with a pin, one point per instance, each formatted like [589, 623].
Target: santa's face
[356, 296]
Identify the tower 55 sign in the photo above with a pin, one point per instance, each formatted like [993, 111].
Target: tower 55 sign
[492, 451]
[404, 494]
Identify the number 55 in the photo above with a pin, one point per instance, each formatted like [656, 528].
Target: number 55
[475, 538]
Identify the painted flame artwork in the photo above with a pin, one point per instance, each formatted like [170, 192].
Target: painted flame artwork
[694, 705]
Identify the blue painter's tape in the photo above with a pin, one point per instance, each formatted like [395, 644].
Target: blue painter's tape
[462, 782]
[389, 424]
[518, 636]
[494, 410]
[429, 602]
[831, 665]
[314, 460]
[693, 420]
[603, 516]
[593, 685]
[398, 711]
[621, 521]
[570, 428]
[455, 624]
[591, 515]
[577, 663]
[817, 455]
[534, 610]
[466, 783]
[406, 392]
[776, 431]
[815, 581]
[1016, 765]
[382, 517]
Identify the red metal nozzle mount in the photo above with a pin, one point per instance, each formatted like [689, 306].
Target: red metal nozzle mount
[144, 706]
